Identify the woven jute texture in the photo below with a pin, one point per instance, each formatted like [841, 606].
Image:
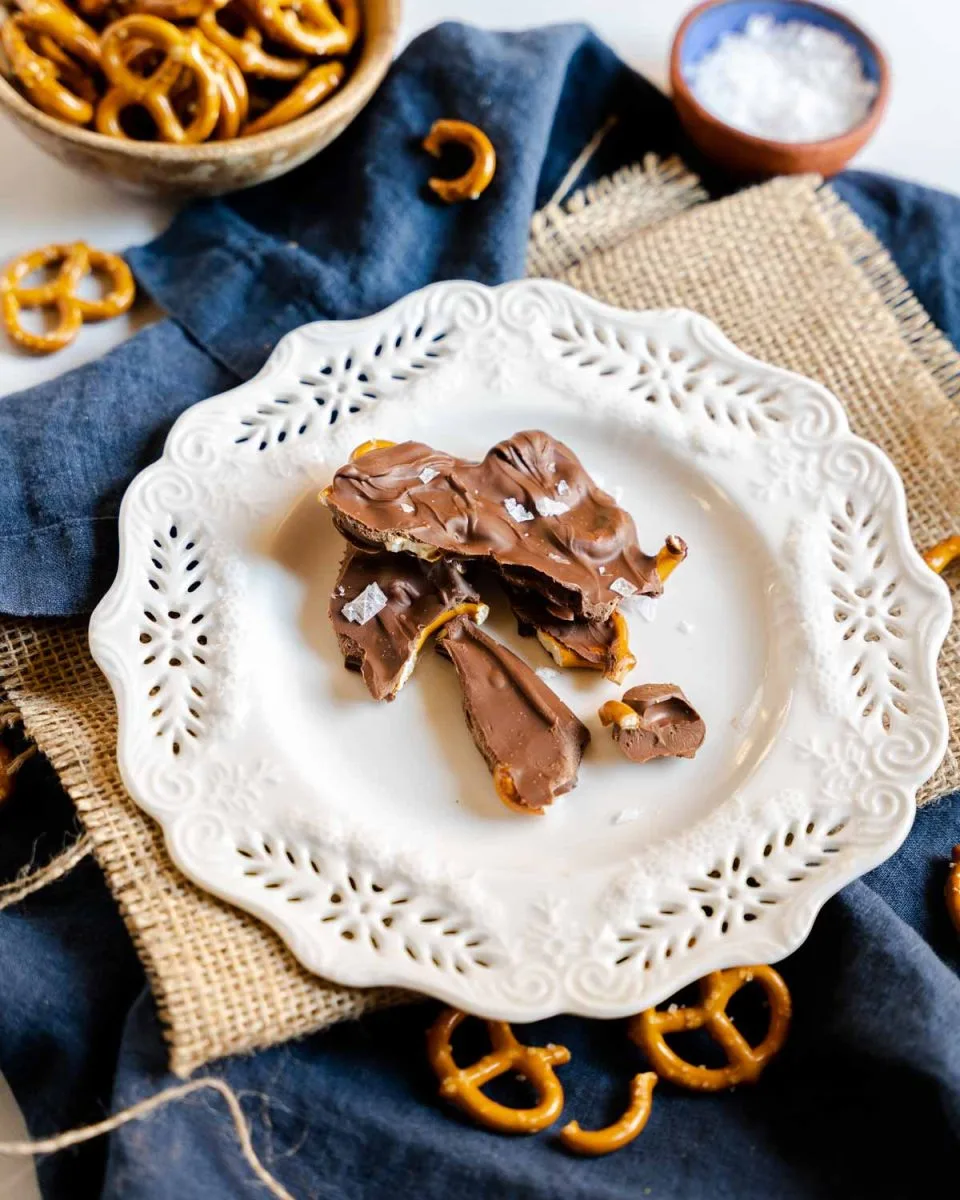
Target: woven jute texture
[792, 277]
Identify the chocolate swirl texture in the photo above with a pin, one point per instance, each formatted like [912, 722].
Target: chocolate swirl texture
[530, 740]
[528, 507]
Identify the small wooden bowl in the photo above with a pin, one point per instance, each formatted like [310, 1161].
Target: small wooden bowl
[212, 168]
[755, 157]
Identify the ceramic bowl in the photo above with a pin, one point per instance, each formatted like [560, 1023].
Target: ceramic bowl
[212, 168]
[742, 153]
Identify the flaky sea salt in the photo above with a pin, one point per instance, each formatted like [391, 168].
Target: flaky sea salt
[407, 508]
[623, 587]
[546, 506]
[516, 510]
[558, 558]
[789, 81]
[364, 608]
[563, 487]
[547, 673]
[645, 606]
[626, 815]
[427, 474]
[684, 627]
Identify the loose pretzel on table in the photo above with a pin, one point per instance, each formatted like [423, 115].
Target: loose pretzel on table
[476, 179]
[461, 1086]
[314, 87]
[51, 86]
[594, 1142]
[76, 260]
[951, 892]
[152, 92]
[745, 1062]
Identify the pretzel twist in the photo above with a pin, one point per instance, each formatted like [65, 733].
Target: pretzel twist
[46, 82]
[76, 260]
[304, 96]
[61, 23]
[234, 95]
[940, 556]
[951, 891]
[153, 92]
[462, 1086]
[475, 180]
[745, 1062]
[247, 50]
[594, 1142]
[310, 26]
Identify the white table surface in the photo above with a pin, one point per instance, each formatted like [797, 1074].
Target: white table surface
[41, 201]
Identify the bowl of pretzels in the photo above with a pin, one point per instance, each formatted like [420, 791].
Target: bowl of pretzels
[190, 97]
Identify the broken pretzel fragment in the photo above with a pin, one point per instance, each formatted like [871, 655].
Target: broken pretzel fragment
[476, 179]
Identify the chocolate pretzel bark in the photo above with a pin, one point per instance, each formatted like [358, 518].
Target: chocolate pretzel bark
[530, 740]
[385, 606]
[590, 645]
[655, 720]
[529, 507]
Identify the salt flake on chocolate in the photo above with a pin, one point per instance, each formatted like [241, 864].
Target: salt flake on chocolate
[516, 510]
[548, 507]
[623, 587]
[646, 606]
[364, 608]
[427, 475]
[563, 487]
[407, 508]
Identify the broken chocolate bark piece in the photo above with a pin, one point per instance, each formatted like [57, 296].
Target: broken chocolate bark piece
[530, 740]
[655, 720]
[529, 507]
[590, 645]
[385, 606]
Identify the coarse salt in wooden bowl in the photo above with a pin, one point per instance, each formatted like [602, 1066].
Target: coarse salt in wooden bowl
[212, 168]
[745, 154]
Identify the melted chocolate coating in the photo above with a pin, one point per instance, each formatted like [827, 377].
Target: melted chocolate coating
[570, 557]
[670, 727]
[597, 645]
[384, 650]
[525, 732]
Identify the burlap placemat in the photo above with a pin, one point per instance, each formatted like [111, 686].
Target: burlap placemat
[792, 277]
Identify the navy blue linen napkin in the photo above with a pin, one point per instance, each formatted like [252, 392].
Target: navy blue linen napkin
[864, 1100]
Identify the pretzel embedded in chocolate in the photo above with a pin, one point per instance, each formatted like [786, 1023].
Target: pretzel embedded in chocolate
[655, 720]
[588, 645]
[530, 740]
[383, 637]
[528, 507]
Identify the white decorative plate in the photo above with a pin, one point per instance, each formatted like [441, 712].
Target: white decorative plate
[804, 626]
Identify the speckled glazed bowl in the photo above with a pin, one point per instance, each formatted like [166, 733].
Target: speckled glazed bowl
[211, 168]
[742, 153]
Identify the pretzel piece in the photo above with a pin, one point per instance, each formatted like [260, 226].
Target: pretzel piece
[46, 83]
[76, 260]
[177, 10]
[476, 179]
[594, 1142]
[246, 49]
[461, 1086]
[153, 92]
[312, 89]
[951, 892]
[670, 555]
[234, 95]
[68, 30]
[940, 556]
[310, 26]
[745, 1063]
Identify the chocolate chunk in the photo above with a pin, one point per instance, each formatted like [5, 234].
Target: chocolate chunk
[415, 598]
[591, 645]
[529, 507]
[655, 720]
[531, 741]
